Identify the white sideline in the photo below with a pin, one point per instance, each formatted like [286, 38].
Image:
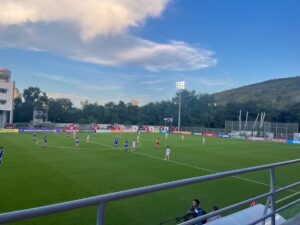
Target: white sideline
[51, 146]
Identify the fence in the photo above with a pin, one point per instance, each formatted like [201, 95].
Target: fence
[49, 125]
[102, 200]
[88, 126]
[203, 129]
[266, 129]
[44, 125]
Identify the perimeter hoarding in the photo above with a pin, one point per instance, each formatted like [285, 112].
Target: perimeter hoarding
[213, 135]
[5, 130]
[182, 132]
[103, 131]
[293, 142]
[267, 139]
[40, 130]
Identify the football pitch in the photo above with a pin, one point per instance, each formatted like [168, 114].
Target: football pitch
[32, 176]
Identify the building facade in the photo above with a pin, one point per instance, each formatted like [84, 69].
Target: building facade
[7, 89]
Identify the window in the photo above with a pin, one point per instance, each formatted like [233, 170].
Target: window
[3, 90]
[2, 102]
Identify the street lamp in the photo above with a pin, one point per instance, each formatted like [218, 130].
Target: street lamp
[180, 86]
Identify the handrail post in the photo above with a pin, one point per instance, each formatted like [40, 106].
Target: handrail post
[101, 214]
[273, 191]
[266, 209]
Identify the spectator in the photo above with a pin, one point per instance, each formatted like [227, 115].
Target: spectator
[215, 208]
[253, 203]
[194, 212]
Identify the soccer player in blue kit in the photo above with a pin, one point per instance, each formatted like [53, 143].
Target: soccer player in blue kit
[45, 141]
[77, 142]
[126, 146]
[116, 142]
[1, 155]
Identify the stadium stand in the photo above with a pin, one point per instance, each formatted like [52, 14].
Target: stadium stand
[246, 216]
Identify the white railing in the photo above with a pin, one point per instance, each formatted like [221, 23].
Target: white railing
[100, 201]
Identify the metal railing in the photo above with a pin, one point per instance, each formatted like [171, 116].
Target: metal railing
[102, 200]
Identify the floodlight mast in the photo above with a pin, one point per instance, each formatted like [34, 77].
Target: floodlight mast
[180, 86]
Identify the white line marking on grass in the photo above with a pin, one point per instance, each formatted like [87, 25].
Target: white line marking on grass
[288, 197]
[195, 167]
[172, 161]
[179, 163]
[59, 147]
[209, 170]
[107, 146]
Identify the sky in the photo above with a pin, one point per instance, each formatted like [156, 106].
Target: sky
[111, 50]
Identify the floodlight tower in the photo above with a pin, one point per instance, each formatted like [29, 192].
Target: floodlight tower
[180, 86]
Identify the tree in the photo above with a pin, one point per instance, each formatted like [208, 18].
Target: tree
[33, 97]
[17, 109]
[36, 96]
[60, 109]
[197, 110]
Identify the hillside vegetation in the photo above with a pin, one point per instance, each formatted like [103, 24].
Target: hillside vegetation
[277, 93]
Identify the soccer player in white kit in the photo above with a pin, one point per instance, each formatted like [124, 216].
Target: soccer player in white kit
[133, 145]
[203, 140]
[138, 139]
[168, 152]
[88, 138]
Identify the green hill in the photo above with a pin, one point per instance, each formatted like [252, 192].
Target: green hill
[280, 93]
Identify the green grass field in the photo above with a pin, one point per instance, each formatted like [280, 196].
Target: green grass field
[32, 176]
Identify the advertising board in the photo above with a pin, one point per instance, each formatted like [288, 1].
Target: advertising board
[5, 130]
[206, 134]
[40, 130]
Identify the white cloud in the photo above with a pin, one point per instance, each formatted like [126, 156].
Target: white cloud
[96, 31]
[66, 95]
[153, 82]
[79, 83]
[92, 17]
[214, 82]
[175, 55]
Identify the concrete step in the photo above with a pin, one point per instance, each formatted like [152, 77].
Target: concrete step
[293, 221]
